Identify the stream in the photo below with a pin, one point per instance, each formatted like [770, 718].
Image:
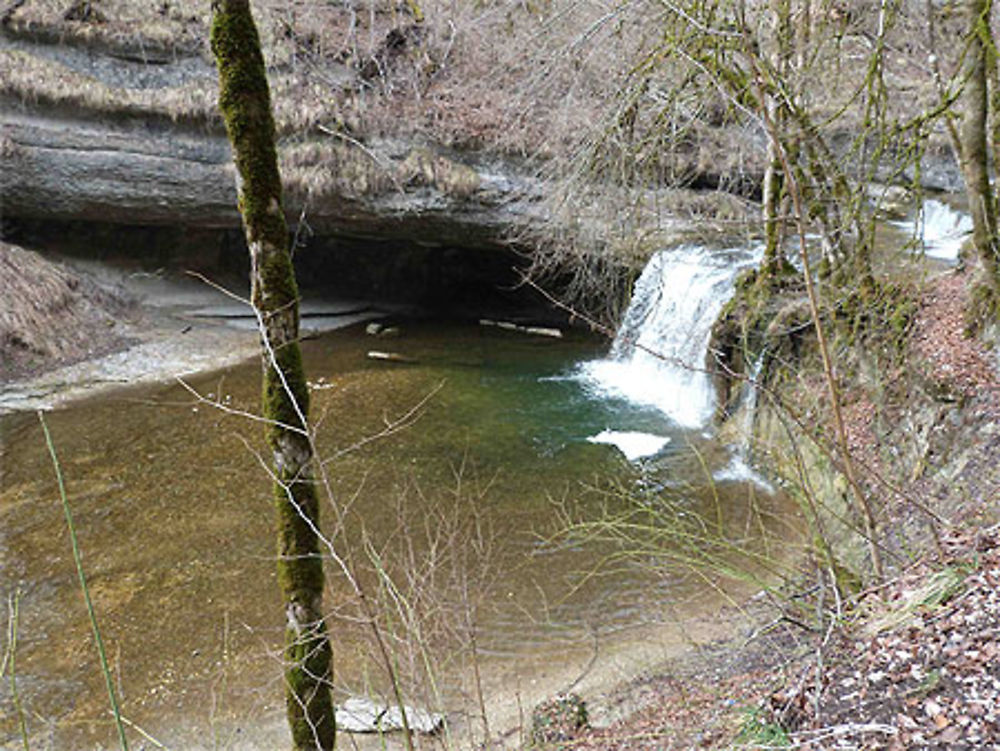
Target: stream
[451, 474]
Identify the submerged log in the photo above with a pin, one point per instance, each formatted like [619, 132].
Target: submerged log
[533, 330]
[389, 357]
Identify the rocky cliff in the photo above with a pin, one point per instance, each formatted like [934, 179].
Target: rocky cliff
[390, 127]
[99, 127]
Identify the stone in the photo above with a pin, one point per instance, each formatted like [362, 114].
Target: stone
[362, 715]
[558, 719]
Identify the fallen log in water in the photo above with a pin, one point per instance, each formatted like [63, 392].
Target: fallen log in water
[389, 357]
[533, 330]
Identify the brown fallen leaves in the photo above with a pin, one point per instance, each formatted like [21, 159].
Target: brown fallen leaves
[931, 678]
[957, 364]
[679, 714]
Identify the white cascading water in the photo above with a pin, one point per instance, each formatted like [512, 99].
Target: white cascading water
[658, 357]
[939, 229]
[740, 468]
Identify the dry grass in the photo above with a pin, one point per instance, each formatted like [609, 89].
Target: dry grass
[596, 85]
[605, 102]
[50, 314]
[118, 24]
[540, 79]
[39, 80]
[518, 77]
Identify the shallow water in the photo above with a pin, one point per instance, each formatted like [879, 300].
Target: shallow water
[173, 513]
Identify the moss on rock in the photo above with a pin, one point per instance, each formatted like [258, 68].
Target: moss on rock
[746, 329]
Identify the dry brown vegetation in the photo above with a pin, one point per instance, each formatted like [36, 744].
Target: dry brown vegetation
[610, 105]
[471, 73]
[536, 79]
[53, 314]
[38, 80]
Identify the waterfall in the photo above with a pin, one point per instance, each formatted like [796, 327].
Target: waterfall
[751, 393]
[658, 356]
[740, 468]
[939, 229]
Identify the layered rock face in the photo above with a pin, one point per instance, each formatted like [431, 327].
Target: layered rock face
[101, 130]
[108, 116]
[66, 165]
[75, 165]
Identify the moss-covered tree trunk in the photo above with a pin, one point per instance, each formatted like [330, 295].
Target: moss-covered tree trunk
[244, 99]
[975, 159]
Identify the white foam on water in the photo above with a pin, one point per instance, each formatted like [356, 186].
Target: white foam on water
[739, 471]
[633, 444]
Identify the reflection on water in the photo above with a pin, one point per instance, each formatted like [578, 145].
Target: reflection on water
[173, 513]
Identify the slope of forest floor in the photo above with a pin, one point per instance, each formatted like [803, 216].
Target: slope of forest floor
[52, 316]
[913, 665]
[70, 328]
[908, 664]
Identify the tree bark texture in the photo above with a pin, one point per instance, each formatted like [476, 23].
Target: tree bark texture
[975, 159]
[774, 225]
[244, 99]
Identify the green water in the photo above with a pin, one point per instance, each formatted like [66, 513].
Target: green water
[448, 470]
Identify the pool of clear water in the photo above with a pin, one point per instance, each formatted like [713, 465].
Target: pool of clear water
[451, 474]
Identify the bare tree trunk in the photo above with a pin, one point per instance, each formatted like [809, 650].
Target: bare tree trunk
[244, 99]
[774, 223]
[975, 159]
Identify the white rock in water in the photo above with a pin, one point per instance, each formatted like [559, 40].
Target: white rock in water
[359, 715]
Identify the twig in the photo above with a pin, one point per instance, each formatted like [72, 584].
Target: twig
[144, 734]
[391, 426]
[368, 152]
[846, 729]
[219, 288]
[237, 412]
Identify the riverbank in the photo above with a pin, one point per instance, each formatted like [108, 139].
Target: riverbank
[76, 328]
[910, 666]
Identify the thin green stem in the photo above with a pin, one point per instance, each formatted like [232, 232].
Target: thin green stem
[123, 743]
[10, 658]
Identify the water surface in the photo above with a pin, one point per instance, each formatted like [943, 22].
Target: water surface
[450, 471]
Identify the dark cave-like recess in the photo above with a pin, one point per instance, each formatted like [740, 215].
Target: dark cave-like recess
[441, 280]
